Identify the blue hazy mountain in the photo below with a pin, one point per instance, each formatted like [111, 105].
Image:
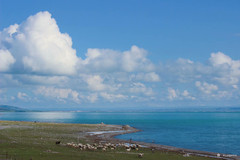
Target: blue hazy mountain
[7, 108]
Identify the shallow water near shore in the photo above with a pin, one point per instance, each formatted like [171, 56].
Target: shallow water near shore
[214, 132]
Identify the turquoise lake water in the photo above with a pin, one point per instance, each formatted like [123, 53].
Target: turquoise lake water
[215, 132]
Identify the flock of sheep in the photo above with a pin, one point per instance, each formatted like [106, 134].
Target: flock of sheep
[106, 146]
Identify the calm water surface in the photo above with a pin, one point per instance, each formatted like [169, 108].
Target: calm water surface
[216, 132]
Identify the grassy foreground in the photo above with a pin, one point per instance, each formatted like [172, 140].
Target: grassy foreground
[29, 140]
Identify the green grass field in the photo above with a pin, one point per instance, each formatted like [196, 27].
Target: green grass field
[28, 140]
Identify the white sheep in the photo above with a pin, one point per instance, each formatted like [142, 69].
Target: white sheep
[140, 155]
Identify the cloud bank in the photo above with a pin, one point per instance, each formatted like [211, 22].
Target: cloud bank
[37, 56]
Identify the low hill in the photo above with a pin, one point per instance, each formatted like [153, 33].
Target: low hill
[7, 108]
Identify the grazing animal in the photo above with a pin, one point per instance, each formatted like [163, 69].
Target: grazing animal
[129, 149]
[140, 155]
[152, 150]
[186, 155]
[58, 142]
[80, 145]
[133, 146]
[100, 147]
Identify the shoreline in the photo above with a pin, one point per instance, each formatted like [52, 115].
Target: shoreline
[106, 133]
[111, 137]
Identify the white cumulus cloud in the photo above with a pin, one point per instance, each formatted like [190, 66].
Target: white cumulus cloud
[95, 83]
[227, 70]
[146, 77]
[101, 60]
[107, 60]
[6, 60]
[140, 88]
[61, 94]
[172, 94]
[39, 47]
[113, 97]
[220, 58]
[206, 87]
[92, 97]
[175, 94]
[22, 96]
[135, 59]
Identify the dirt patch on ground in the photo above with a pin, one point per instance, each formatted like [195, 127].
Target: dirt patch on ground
[13, 126]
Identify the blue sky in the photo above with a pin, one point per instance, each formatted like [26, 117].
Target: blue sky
[119, 54]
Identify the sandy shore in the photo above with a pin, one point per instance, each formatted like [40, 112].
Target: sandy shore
[109, 136]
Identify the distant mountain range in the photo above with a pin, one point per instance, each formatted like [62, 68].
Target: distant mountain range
[7, 108]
